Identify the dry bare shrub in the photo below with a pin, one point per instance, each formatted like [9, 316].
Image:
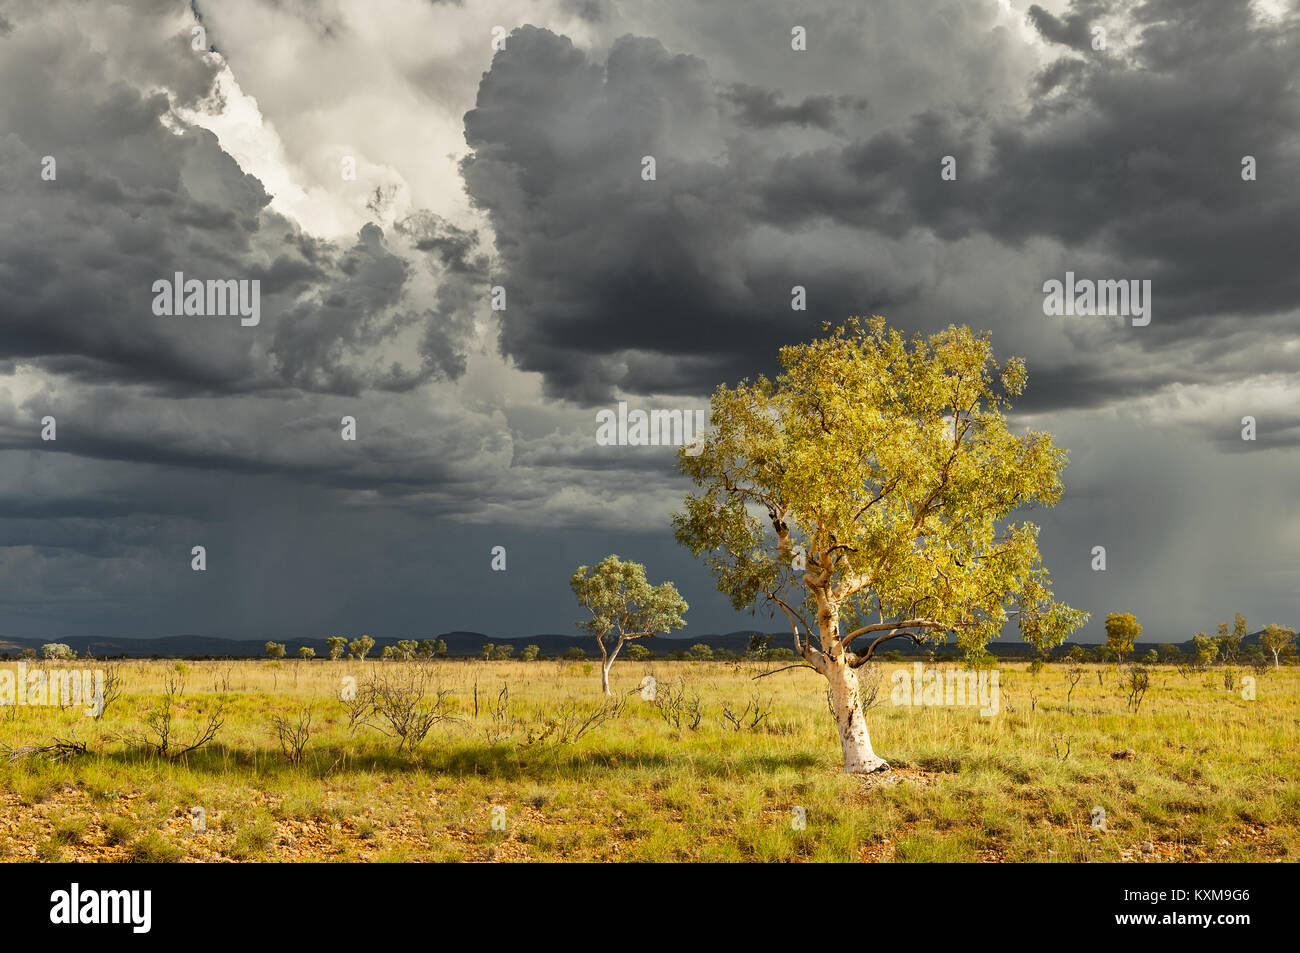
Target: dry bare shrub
[1073, 675]
[1136, 682]
[293, 732]
[1057, 741]
[112, 686]
[397, 702]
[360, 706]
[500, 725]
[159, 731]
[678, 707]
[572, 720]
[60, 749]
[751, 718]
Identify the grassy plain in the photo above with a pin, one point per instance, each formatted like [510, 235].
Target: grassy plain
[1209, 775]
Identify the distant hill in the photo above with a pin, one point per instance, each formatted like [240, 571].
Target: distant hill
[462, 644]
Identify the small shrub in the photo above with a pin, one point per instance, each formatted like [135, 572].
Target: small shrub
[1136, 682]
[118, 831]
[293, 731]
[70, 830]
[252, 839]
[153, 848]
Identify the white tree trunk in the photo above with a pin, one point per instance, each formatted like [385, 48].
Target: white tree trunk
[607, 662]
[859, 758]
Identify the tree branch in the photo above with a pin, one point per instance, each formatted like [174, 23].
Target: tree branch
[783, 669]
[901, 624]
[860, 660]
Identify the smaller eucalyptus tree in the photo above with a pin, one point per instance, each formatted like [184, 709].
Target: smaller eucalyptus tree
[623, 607]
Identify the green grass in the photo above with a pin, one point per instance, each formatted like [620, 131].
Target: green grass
[1212, 777]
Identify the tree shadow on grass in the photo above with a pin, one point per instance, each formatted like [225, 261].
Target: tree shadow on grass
[506, 762]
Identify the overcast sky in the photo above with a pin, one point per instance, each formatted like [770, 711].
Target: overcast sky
[522, 168]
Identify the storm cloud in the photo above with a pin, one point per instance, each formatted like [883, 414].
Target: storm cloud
[381, 172]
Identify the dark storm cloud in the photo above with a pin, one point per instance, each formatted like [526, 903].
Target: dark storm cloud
[1139, 156]
[173, 430]
[334, 316]
[463, 271]
[599, 264]
[758, 108]
[133, 202]
[772, 172]
[613, 280]
[1073, 30]
[880, 185]
[1087, 384]
[1132, 155]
